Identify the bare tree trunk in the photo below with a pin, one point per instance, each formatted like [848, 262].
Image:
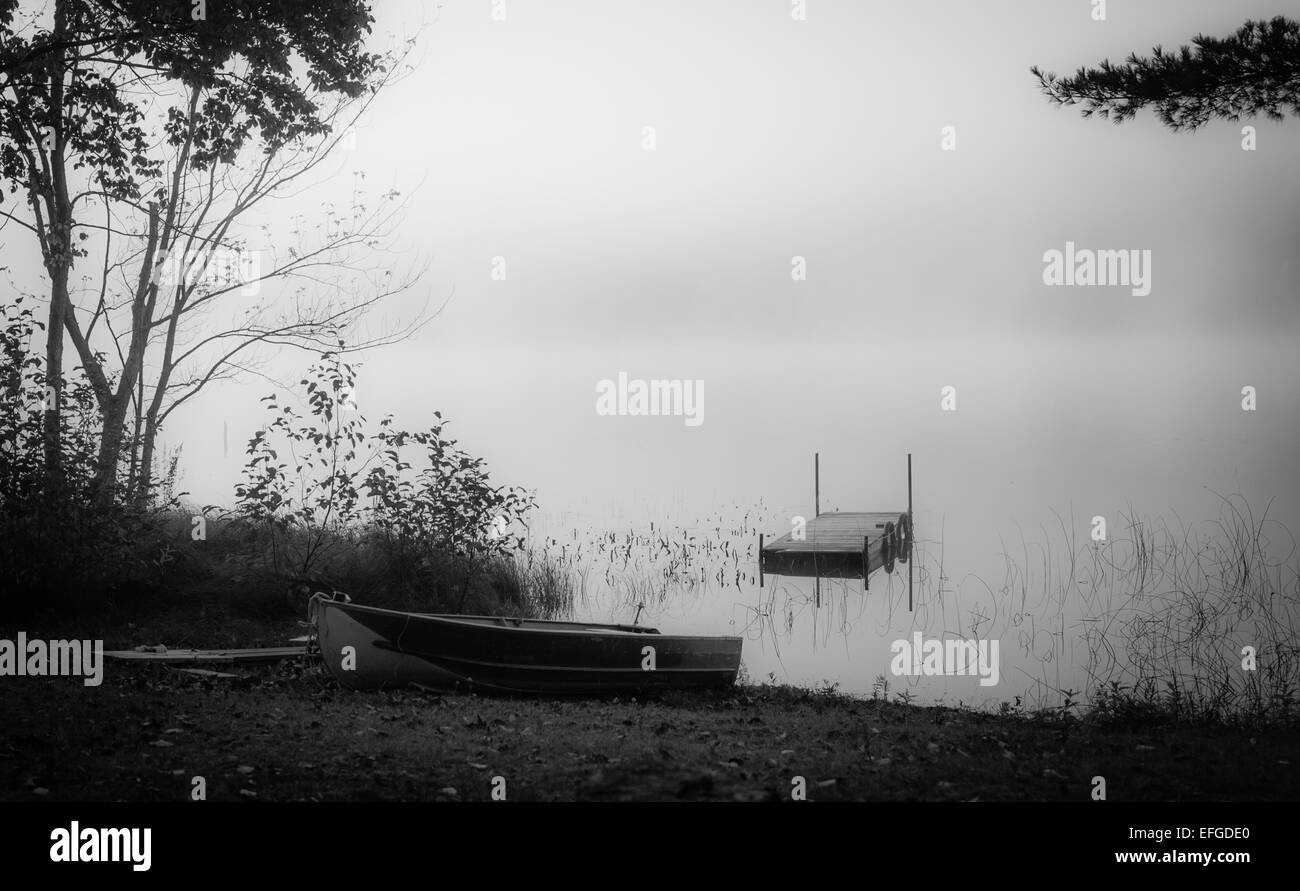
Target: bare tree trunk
[151, 421]
[110, 446]
[113, 405]
[53, 405]
[58, 262]
[144, 482]
[132, 478]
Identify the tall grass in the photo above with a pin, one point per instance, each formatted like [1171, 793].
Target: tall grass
[1151, 622]
[1167, 617]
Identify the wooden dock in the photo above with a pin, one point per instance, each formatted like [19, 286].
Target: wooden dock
[847, 545]
[834, 545]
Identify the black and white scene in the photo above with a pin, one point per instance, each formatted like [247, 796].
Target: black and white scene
[746, 401]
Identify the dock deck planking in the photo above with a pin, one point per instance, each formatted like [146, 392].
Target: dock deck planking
[832, 546]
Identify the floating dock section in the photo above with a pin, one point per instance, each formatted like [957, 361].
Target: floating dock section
[842, 544]
[835, 545]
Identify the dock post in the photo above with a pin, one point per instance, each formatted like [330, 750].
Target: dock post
[911, 533]
[760, 559]
[866, 563]
[817, 484]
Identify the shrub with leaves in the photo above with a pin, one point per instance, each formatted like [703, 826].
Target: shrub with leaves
[59, 547]
[301, 471]
[319, 484]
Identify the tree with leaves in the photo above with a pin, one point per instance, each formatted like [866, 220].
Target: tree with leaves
[232, 286]
[1255, 71]
[80, 83]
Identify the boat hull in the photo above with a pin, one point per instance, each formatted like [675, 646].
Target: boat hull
[391, 649]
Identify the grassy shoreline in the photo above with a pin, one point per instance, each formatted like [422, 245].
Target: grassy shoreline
[289, 733]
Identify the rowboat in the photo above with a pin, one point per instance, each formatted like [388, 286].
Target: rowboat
[368, 648]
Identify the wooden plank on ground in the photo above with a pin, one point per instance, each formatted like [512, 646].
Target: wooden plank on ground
[203, 672]
[256, 654]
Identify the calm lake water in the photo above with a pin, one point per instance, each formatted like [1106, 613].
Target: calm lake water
[1061, 626]
[1005, 492]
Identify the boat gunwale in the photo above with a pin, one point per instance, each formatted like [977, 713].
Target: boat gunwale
[495, 623]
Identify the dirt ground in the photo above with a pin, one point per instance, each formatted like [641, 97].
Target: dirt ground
[288, 733]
